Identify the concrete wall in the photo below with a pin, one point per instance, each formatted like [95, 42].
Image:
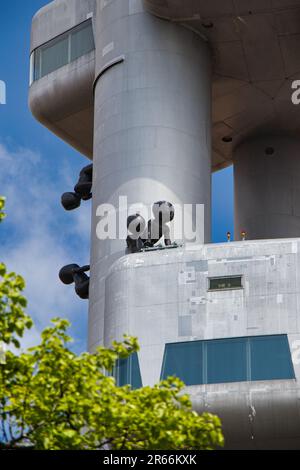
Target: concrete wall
[163, 297]
[150, 120]
[152, 124]
[58, 17]
[267, 187]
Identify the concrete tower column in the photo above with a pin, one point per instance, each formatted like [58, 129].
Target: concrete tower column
[267, 188]
[152, 130]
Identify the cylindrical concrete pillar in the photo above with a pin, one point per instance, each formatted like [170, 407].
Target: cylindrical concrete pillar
[152, 125]
[267, 188]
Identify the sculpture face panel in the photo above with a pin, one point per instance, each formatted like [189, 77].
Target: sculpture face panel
[82, 190]
[164, 211]
[142, 236]
[136, 224]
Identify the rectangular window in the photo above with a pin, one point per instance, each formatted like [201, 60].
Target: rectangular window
[226, 361]
[225, 283]
[54, 55]
[82, 41]
[270, 358]
[229, 360]
[184, 360]
[62, 50]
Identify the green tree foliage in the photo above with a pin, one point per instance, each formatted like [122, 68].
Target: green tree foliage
[13, 319]
[52, 399]
[2, 204]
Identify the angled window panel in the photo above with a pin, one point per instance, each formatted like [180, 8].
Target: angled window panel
[121, 372]
[229, 360]
[270, 358]
[127, 372]
[185, 361]
[36, 58]
[31, 71]
[226, 360]
[135, 373]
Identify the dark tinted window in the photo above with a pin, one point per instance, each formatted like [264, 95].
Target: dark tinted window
[127, 372]
[184, 360]
[229, 360]
[227, 282]
[271, 358]
[54, 56]
[226, 361]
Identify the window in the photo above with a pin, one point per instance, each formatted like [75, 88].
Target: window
[271, 358]
[62, 50]
[127, 371]
[225, 283]
[229, 360]
[226, 360]
[185, 361]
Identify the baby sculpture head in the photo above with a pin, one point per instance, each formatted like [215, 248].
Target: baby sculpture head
[163, 211]
[135, 225]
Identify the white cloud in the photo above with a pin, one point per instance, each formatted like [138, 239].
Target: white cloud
[40, 237]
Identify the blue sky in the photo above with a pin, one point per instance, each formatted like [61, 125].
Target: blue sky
[38, 236]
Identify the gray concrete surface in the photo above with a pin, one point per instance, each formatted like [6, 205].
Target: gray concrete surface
[254, 47]
[148, 295]
[63, 100]
[267, 187]
[152, 124]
